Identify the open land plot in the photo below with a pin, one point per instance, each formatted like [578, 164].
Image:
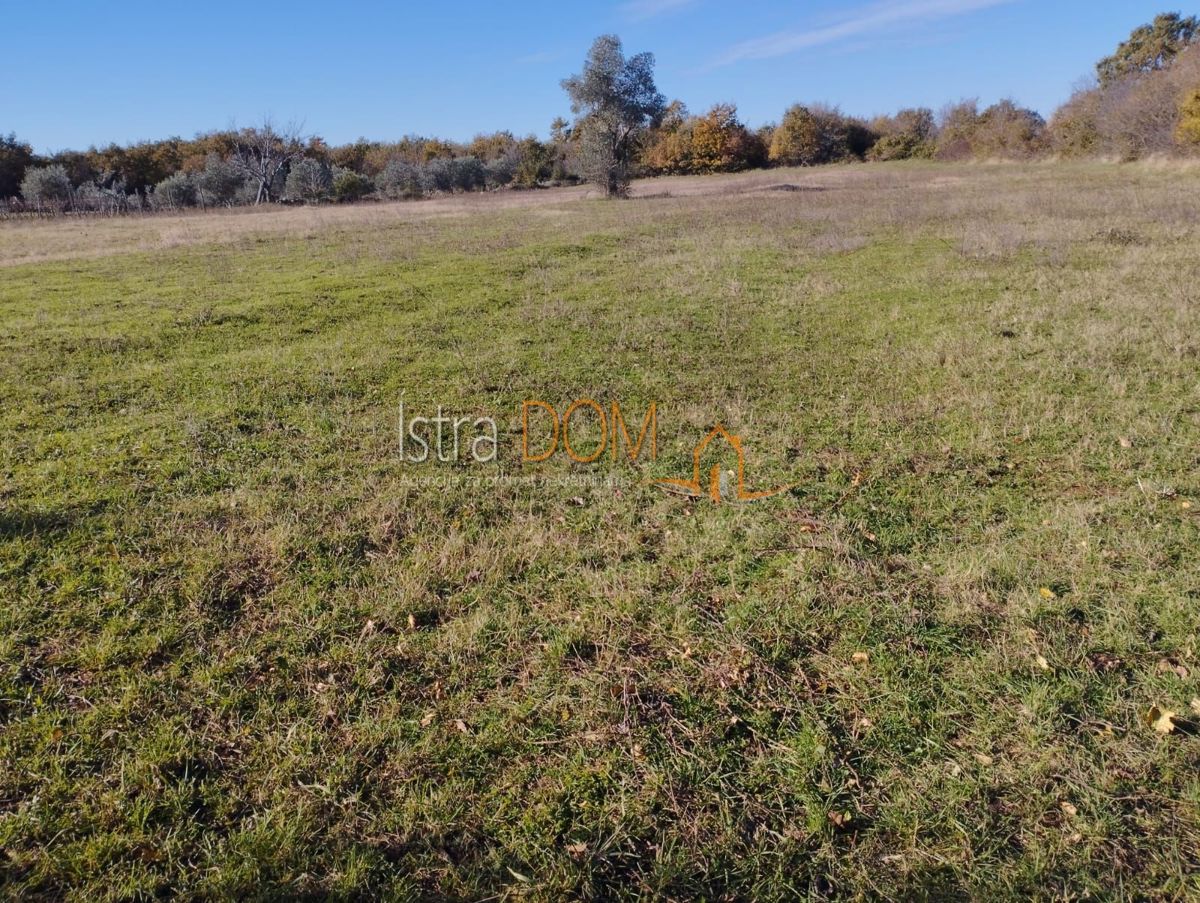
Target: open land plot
[244, 652]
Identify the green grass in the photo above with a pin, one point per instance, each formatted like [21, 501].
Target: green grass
[242, 654]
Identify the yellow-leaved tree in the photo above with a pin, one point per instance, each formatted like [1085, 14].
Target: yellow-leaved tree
[1188, 131]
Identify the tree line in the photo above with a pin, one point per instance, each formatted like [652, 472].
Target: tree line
[1144, 100]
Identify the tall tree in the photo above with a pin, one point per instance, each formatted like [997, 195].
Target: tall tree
[1150, 47]
[263, 155]
[615, 101]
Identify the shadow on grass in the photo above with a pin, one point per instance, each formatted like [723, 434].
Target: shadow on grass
[34, 524]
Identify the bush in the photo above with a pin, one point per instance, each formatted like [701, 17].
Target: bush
[399, 179]
[860, 137]
[437, 176]
[349, 185]
[467, 174]
[178, 190]
[956, 131]
[46, 184]
[1003, 130]
[492, 147]
[502, 170]
[1074, 129]
[907, 135]
[1187, 133]
[720, 143]
[218, 183]
[670, 151]
[15, 157]
[533, 162]
[308, 180]
[808, 136]
[110, 199]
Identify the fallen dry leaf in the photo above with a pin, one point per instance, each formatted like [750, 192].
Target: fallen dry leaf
[1042, 663]
[1161, 720]
[841, 819]
[1104, 661]
[984, 759]
[1069, 809]
[1166, 666]
[860, 657]
[1047, 593]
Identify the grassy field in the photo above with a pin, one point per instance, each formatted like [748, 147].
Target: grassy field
[245, 651]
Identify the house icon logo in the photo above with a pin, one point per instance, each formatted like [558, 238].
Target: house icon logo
[721, 485]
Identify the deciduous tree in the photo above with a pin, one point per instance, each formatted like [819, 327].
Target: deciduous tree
[1188, 131]
[808, 136]
[720, 143]
[46, 184]
[217, 184]
[178, 190]
[263, 154]
[908, 134]
[1150, 47]
[15, 157]
[615, 101]
[308, 180]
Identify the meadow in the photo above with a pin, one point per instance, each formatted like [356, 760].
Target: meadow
[248, 652]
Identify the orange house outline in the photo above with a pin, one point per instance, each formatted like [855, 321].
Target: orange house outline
[694, 486]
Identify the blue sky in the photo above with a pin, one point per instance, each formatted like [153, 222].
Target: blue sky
[75, 73]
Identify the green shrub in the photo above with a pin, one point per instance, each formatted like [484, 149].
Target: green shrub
[399, 179]
[349, 185]
[308, 180]
[1074, 130]
[218, 183]
[46, 184]
[908, 134]
[178, 190]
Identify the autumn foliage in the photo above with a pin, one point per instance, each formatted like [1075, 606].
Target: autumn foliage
[1144, 101]
[714, 142]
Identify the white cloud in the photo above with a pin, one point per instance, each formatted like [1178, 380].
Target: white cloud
[868, 19]
[638, 10]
